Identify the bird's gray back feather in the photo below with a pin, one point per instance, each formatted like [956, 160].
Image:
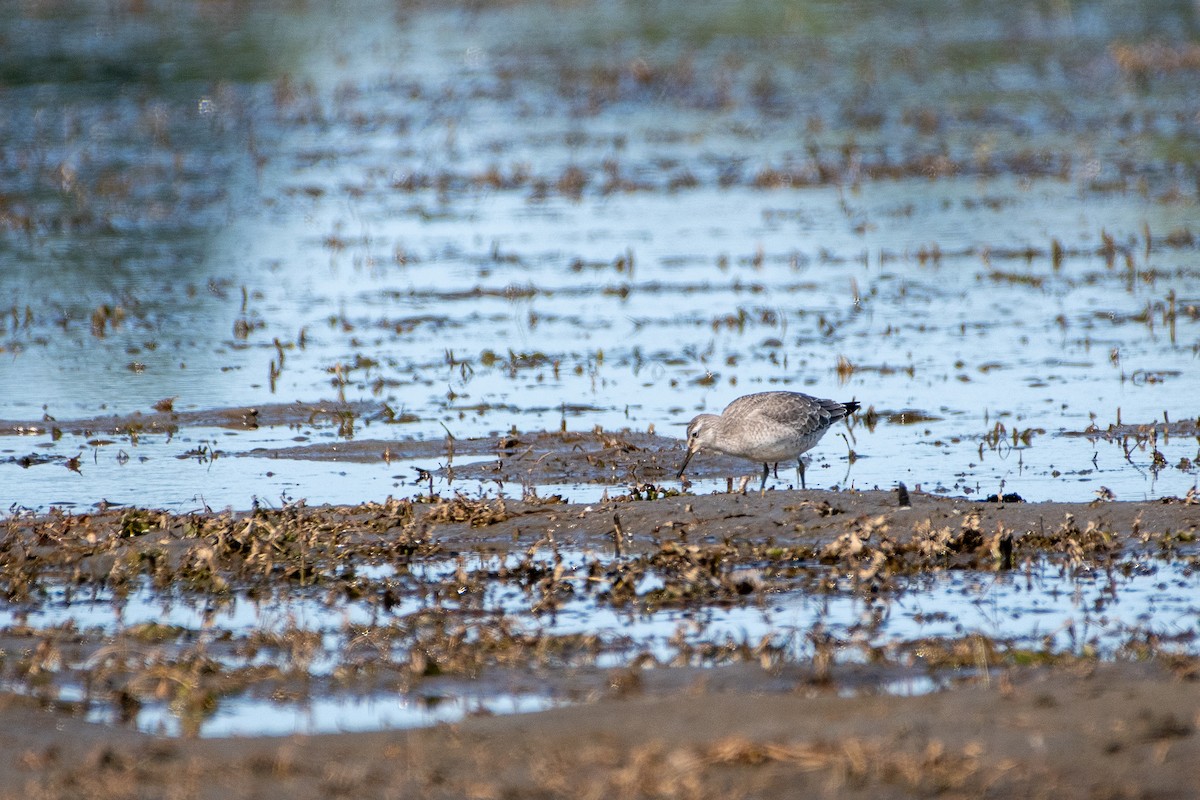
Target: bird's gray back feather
[804, 414]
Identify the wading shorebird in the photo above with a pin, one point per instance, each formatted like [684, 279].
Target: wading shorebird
[767, 428]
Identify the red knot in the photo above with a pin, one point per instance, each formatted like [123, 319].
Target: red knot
[767, 428]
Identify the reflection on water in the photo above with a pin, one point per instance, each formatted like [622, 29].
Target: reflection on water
[1042, 610]
[249, 717]
[443, 211]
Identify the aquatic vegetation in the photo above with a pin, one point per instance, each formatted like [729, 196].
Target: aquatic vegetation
[200, 613]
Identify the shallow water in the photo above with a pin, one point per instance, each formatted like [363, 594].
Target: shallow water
[248, 717]
[978, 224]
[440, 211]
[1044, 609]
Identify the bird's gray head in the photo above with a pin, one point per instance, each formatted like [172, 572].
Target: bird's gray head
[701, 431]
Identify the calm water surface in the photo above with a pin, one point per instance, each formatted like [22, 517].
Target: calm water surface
[444, 212]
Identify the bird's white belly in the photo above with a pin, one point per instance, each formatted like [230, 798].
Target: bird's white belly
[771, 450]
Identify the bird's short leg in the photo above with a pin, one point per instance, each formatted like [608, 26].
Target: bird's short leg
[776, 469]
[800, 472]
[766, 471]
[742, 487]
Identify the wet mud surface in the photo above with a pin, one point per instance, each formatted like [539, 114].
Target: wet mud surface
[446, 598]
[1104, 730]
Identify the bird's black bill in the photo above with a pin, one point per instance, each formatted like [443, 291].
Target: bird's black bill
[683, 466]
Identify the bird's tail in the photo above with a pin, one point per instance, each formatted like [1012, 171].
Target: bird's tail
[851, 406]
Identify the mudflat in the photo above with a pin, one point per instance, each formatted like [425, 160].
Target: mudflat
[1098, 730]
[999, 718]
